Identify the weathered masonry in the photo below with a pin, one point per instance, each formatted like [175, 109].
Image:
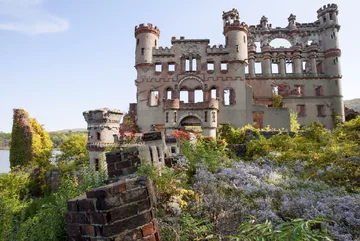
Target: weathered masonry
[192, 83]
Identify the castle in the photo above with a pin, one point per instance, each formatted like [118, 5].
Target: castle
[192, 83]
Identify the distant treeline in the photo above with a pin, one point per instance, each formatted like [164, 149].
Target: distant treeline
[57, 137]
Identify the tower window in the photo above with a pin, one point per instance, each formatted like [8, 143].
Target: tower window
[142, 51]
[223, 66]
[213, 93]
[158, 67]
[227, 41]
[331, 16]
[210, 66]
[167, 117]
[168, 93]
[319, 91]
[299, 90]
[97, 164]
[213, 116]
[137, 42]
[175, 116]
[324, 19]
[155, 43]
[244, 39]
[229, 97]
[98, 136]
[205, 116]
[171, 67]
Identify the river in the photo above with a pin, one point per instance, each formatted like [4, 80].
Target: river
[5, 160]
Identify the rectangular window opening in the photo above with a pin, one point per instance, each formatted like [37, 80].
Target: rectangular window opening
[184, 96]
[320, 110]
[258, 47]
[223, 66]
[247, 69]
[98, 136]
[213, 93]
[167, 117]
[205, 116]
[194, 61]
[304, 64]
[171, 67]
[275, 90]
[168, 94]
[154, 98]
[319, 90]
[199, 96]
[258, 69]
[301, 110]
[137, 41]
[226, 97]
[187, 65]
[299, 90]
[158, 67]
[142, 51]
[97, 165]
[289, 68]
[210, 66]
[275, 68]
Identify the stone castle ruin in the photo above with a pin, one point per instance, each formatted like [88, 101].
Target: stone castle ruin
[194, 84]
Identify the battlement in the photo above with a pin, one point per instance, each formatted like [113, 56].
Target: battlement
[161, 51]
[184, 40]
[103, 115]
[232, 14]
[236, 25]
[327, 8]
[142, 28]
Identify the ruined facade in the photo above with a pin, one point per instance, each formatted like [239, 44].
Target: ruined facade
[192, 83]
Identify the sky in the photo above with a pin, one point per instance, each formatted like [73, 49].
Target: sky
[59, 58]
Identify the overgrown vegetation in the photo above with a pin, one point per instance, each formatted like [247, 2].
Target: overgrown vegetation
[304, 187]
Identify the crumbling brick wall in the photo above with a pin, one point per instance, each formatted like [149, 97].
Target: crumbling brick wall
[120, 211]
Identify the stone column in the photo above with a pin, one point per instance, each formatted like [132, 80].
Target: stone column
[297, 64]
[312, 57]
[282, 69]
[191, 96]
[252, 67]
[266, 64]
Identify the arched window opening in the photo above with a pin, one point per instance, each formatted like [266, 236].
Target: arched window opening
[199, 96]
[154, 98]
[280, 43]
[169, 94]
[184, 96]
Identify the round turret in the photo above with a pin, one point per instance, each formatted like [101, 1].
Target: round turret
[147, 38]
[103, 131]
[236, 36]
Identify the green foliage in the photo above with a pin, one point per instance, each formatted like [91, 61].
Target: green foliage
[23, 218]
[294, 123]
[5, 139]
[20, 150]
[235, 135]
[58, 137]
[30, 145]
[73, 153]
[196, 228]
[277, 101]
[297, 229]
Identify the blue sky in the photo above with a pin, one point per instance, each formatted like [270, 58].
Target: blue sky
[59, 58]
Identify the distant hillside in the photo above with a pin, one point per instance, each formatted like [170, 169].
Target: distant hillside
[353, 104]
[69, 130]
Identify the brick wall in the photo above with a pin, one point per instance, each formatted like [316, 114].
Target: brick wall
[120, 211]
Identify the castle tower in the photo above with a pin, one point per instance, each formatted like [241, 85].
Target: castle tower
[103, 131]
[236, 36]
[329, 29]
[147, 38]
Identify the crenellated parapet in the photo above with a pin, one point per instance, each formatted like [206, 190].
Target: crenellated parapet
[142, 28]
[161, 51]
[236, 25]
[330, 8]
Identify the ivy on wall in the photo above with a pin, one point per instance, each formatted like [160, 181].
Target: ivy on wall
[30, 143]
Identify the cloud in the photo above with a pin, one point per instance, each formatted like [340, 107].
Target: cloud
[29, 17]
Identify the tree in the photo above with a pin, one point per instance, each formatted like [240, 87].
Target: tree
[74, 150]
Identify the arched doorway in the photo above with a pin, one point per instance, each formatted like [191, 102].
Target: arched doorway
[191, 123]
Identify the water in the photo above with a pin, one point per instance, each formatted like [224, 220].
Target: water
[5, 160]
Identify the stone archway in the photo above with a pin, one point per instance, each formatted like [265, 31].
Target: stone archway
[191, 122]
